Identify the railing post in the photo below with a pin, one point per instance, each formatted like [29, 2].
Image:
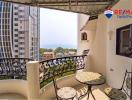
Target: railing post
[87, 63]
[33, 80]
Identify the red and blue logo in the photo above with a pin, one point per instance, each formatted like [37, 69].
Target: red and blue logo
[120, 13]
[108, 13]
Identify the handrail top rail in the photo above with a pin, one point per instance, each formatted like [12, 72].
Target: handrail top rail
[16, 58]
[61, 58]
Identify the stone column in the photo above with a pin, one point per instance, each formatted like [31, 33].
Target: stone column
[33, 80]
[87, 63]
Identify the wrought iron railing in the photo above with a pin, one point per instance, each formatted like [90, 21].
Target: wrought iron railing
[13, 68]
[59, 67]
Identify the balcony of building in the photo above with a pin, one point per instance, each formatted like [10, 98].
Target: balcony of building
[32, 80]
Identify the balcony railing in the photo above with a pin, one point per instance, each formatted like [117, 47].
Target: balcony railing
[59, 67]
[13, 68]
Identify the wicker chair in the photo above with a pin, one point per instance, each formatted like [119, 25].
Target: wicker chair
[121, 94]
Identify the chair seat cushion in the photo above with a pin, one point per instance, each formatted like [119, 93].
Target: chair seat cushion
[115, 94]
[66, 92]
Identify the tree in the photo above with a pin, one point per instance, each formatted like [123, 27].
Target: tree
[59, 50]
[66, 50]
[75, 50]
[49, 50]
[41, 51]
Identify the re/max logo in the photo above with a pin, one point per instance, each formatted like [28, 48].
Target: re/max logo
[122, 12]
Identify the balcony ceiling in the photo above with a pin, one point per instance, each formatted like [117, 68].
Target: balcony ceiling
[89, 7]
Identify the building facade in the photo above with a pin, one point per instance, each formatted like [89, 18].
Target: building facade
[6, 30]
[19, 31]
[83, 36]
[48, 55]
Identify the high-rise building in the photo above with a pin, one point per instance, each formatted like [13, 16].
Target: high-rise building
[6, 49]
[19, 31]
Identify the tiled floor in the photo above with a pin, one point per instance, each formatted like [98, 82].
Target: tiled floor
[97, 92]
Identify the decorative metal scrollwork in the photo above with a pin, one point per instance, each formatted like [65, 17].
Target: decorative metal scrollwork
[59, 67]
[127, 83]
[13, 68]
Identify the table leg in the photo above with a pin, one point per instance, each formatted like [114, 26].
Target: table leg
[88, 95]
[90, 91]
[93, 95]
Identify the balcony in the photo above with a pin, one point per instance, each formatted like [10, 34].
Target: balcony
[22, 78]
[17, 78]
[34, 79]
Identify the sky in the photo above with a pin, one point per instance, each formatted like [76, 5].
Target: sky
[58, 29]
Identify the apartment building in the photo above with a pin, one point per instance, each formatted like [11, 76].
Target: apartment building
[19, 31]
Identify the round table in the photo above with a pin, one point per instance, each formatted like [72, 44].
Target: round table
[90, 79]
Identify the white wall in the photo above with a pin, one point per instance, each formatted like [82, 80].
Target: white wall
[98, 47]
[96, 37]
[82, 45]
[118, 63]
[103, 56]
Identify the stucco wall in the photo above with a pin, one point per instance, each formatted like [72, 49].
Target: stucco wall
[98, 47]
[82, 44]
[118, 63]
[96, 37]
[103, 58]
[14, 86]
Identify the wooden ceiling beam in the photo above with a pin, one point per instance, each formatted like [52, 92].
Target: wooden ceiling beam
[89, 7]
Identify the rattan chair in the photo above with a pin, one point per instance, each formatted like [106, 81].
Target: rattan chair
[121, 94]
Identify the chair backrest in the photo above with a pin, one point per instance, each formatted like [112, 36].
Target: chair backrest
[55, 86]
[126, 86]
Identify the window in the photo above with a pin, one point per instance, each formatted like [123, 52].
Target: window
[16, 45]
[21, 32]
[21, 53]
[16, 19]
[21, 43]
[124, 41]
[15, 7]
[16, 35]
[16, 56]
[16, 24]
[15, 29]
[16, 13]
[21, 37]
[21, 48]
[16, 50]
[20, 10]
[84, 36]
[16, 40]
